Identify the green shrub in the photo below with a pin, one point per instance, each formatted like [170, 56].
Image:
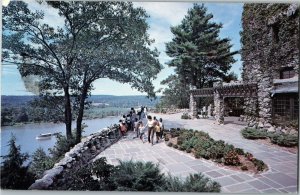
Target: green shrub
[102, 170]
[190, 143]
[179, 141]
[284, 139]
[199, 183]
[259, 164]
[170, 144]
[231, 158]
[253, 133]
[172, 184]
[215, 152]
[244, 168]
[228, 148]
[61, 146]
[249, 156]
[40, 163]
[202, 135]
[80, 180]
[240, 151]
[197, 155]
[186, 116]
[175, 134]
[182, 148]
[136, 176]
[193, 183]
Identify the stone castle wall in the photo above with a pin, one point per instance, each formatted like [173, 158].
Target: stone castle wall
[79, 156]
[270, 41]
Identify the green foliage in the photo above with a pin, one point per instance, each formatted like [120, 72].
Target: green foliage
[61, 146]
[280, 139]
[240, 151]
[284, 139]
[14, 175]
[187, 47]
[199, 183]
[182, 148]
[102, 170]
[232, 158]
[193, 183]
[40, 163]
[253, 133]
[190, 143]
[81, 180]
[136, 176]
[259, 164]
[206, 147]
[186, 116]
[249, 156]
[176, 94]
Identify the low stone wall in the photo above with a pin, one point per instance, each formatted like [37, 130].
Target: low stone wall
[80, 155]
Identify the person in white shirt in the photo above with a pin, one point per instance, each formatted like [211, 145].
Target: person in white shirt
[151, 129]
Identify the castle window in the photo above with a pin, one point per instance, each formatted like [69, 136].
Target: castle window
[286, 73]
[285, 108]
[275, 32]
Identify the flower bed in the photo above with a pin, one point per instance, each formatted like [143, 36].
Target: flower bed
[201, 145]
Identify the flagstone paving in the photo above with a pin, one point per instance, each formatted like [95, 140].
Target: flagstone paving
[280, 178]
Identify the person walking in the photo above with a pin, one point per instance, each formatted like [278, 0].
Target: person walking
[142, 129]
[136, 127]
[162, 128]
[151, 130]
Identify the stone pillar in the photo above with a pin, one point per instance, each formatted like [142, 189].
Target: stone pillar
[264, 101]
[193, 106]
[219, 104]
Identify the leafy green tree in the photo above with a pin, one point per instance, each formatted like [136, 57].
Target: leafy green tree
[14, 175]
[198, 54]
[40, 163]
[176, 93]
[97, 40]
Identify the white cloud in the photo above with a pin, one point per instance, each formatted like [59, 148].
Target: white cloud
[172, 12]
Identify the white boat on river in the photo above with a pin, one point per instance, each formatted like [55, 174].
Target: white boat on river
[46, 135]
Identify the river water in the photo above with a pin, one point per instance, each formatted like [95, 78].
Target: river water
[26, 134]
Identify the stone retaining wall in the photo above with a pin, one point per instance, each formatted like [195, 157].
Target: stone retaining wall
[79, 156]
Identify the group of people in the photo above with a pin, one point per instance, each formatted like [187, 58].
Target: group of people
[143, 124]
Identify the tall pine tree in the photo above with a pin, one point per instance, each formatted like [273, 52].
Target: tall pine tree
[200, 56]
[14, 175]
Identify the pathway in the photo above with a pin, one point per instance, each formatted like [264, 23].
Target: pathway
[280, 178]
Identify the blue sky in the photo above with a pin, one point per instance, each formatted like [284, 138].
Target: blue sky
[163, 15]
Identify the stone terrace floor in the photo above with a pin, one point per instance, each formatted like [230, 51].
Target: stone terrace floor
[280, 178]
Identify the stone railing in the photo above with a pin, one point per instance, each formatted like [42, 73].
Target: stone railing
[80, 155]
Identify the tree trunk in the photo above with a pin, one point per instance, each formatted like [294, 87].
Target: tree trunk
[68, 114]
[80, 114]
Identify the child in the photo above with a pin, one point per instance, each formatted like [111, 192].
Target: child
[142, 131]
